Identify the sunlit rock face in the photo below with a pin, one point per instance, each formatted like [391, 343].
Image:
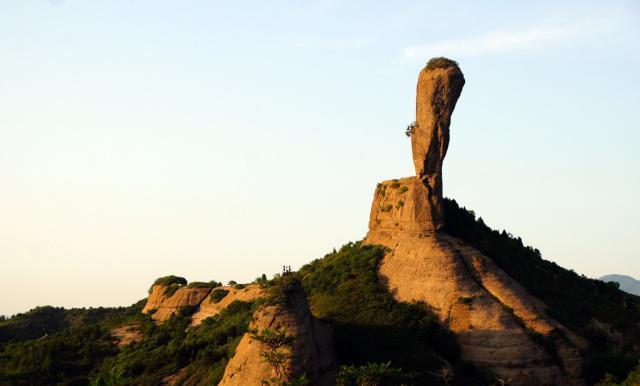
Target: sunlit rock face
[498, 324]
[437, 92]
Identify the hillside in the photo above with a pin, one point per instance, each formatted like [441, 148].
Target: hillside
[404, 341]
[627, 283]
[430, 296]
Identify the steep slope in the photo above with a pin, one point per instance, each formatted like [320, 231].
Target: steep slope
[607, 317]
[499, 325]
[495, 320]
[284, 328]
[627, 283]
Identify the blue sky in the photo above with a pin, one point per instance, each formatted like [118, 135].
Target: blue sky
[220, 140]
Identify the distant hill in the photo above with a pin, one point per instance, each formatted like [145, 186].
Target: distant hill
[627, 283]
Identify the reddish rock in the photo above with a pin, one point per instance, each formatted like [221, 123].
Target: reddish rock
[165, 306]
[436, 96]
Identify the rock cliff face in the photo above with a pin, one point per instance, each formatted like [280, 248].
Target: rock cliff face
[498, 324]
[165, 306]
[209, 307]
[436, 96]
[311, 352]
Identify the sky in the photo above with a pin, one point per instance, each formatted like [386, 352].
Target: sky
[224, 139]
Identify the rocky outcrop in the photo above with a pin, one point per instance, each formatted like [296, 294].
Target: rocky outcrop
[209, 307]
[310, 353]
[436, 96]
[400, 205]
[163, 305]
[498, 324]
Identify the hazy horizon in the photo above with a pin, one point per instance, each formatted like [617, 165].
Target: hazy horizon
[217, 140]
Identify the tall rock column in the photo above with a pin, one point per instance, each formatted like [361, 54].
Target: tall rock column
[439, 86]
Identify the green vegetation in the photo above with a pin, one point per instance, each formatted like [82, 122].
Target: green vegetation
[403, 189]
[171, 282]
[632, 379]
[440, 62]
[50, 345]
[387, 208]
[218, 294]
[262, 281]
[79, 350]
[395, 184]
[371, 329]
[400, 204]
[379, 341]
[169, 347]
[371, 374]
[201, 284]
[46, 320]
[574, 300]
[278, 356]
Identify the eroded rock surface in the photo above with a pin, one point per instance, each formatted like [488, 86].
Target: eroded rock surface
[165, 306]
[437, 92]
[209, 307]
[312, 351]
[494, 318]
[499, 325]
[401, 205]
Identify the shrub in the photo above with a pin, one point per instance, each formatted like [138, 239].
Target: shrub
[262, 280]
[169, 281]
[201, 284]
[387, 208]
[403, 189]
[371, 374]
[218, 294]
[440, 62]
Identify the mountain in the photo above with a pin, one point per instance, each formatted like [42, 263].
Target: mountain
[430, 296]
[627, 283]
